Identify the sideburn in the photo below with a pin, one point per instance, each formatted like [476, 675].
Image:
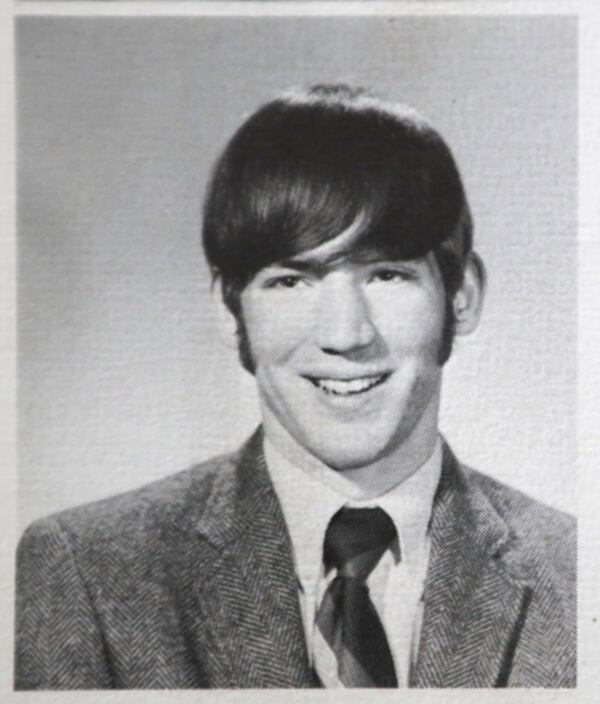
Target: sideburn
[448, 333]
[244, 351]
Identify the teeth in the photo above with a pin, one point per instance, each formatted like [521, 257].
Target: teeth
[351, 386]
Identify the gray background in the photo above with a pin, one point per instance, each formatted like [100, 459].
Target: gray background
[121, 377]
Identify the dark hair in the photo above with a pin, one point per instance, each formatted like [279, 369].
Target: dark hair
[306, 166]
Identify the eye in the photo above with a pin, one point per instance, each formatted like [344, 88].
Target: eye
[285, 281]
[391, 275]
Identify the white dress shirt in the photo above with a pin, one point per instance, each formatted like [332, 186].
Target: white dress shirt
[310, 496]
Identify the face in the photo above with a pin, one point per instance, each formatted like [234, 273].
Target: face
[346, 354]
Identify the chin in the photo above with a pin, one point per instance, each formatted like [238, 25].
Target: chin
[346, 455]
[357, 445]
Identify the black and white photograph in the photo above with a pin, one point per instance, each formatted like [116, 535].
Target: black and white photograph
[297, 335]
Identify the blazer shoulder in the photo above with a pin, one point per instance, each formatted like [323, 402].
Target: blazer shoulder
[546, 536]
[521, 511]
[174, 501]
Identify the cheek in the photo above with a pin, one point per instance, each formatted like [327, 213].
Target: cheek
[411, 324]
[274, 331]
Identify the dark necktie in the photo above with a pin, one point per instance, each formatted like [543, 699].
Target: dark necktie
[351, 648]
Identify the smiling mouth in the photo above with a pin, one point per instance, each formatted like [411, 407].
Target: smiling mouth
[348, 387]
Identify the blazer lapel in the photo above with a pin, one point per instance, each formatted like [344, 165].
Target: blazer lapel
[474, 607]
[245, 617]
[247, 588]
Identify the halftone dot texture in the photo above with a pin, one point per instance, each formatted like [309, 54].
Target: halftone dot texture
[351, 648]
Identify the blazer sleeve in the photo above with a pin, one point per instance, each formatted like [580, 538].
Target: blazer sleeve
[59, 643]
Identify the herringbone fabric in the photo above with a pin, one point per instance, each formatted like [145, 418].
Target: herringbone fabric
[189, 582]
[350, 644]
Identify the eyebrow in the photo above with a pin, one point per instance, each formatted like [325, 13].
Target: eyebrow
[307, 263]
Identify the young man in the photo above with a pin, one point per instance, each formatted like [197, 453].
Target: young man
[343, 545]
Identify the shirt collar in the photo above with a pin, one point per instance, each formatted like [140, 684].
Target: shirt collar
[310, 498]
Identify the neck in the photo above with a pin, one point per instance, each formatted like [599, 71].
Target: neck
[369, 481]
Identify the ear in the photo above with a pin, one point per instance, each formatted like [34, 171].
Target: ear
[226, 319]
[468, 301]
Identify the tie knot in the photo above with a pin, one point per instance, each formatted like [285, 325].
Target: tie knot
[355, 540]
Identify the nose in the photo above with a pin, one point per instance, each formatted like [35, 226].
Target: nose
[343, 321]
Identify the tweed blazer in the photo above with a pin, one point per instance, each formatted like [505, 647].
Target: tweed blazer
[189, 583]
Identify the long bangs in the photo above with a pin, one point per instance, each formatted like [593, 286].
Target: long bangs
[297, 175]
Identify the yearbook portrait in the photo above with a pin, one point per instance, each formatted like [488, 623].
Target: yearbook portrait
[297, 335]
